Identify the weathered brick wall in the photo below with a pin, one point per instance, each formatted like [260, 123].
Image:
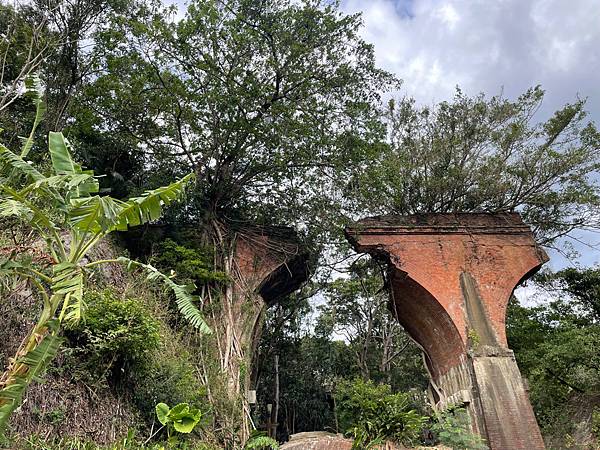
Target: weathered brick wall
[451, 276]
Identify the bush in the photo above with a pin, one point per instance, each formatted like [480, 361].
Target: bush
[166, 377]
[453, 429]
[260, 441]
[372, 414]
[188, 263]
[116, 331]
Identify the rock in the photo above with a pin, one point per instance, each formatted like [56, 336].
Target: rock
[317, 440]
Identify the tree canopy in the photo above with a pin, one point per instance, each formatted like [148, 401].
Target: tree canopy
[488, 154]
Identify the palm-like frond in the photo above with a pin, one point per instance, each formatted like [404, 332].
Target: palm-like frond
[17, 163]
[14, 208]
[95, 214]
[63, 164]
[148, 207]
[184, 298]
[67, 281]
[104, 214]
[28, 211]
[34, 362]
[33, 87]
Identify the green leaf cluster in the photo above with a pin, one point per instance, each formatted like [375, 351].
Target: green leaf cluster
[188, 263]
[453, 429]
[486, 154]
[260, 441]
[115, 329]
[371, 413]
[556, 346]
[182, 418]
[68, 213]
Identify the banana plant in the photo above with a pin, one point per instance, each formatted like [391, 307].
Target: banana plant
[66, 210]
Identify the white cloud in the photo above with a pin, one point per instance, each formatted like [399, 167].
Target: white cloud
[485, 45]
[489, 46]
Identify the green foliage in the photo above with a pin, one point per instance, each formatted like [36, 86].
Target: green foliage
[182, 418]
[189, 264]
[556, 346]
[184, 294]
[260, 441]
[66, 200]
[263, 67]
[166, 376]
[357, 309]
[486, 154]
[116, 330]
[370, 412]
[453, 429]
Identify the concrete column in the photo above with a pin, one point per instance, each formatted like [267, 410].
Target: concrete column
[450, 278]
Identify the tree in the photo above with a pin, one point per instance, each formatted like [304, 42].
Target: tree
[70, 217]
[268, 102]
[556, 347]
[488, 154]
[357, 309]
[24, 44]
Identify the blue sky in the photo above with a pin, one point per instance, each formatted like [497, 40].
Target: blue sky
[490, 46]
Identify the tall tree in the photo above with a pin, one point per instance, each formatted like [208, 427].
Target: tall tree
[269, 102]
[488, 154]
[357, 311]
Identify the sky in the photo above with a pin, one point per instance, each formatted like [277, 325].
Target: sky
[491, 46]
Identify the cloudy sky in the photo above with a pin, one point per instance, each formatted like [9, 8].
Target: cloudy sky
[490, 46]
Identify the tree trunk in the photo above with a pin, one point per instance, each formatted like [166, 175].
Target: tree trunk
[276, 396]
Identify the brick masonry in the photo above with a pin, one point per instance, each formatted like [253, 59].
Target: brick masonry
[450, 279]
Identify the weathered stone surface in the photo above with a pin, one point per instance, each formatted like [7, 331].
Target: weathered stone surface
[317, 440]
[451, 276]
[320, 440]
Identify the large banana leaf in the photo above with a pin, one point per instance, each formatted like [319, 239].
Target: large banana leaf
[148, 207]
[95, 214]
[63, 164]
[27, 211]
[67, 281]
[35, 362]
[184, 298]
[14, 208]
[16, 162]
[104, 214]
[33, 87]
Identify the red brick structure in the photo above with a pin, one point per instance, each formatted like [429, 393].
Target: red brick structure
[265, 264]
[450, 278]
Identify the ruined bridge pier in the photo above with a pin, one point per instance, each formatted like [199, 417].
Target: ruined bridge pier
[450, 278]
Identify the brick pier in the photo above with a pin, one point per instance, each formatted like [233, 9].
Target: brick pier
[450, 278]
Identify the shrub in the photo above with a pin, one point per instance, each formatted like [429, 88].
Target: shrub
[453, 429]
[188, 263]
[371, 413]
[166, 377]
[260, 441]
[116, 331]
